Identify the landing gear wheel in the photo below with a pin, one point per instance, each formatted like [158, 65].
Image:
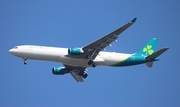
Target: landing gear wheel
[25, 63]
[81, 73]
[94, 65]
[90, 62]
[85, 75]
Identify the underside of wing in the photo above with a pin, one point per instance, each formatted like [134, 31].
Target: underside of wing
[77, 72]
[76, 76]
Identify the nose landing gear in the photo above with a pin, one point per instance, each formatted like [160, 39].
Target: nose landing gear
[25, 62]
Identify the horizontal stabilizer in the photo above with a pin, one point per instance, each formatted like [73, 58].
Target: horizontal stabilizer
[156, 54]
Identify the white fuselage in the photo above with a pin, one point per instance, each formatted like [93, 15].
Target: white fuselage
[56, 54]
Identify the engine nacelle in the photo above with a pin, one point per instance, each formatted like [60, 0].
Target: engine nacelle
[59, 70]
[75, 51]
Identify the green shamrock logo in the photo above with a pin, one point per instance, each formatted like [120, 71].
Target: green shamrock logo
[148, 50]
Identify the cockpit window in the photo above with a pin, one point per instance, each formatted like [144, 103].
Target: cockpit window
[15, 47]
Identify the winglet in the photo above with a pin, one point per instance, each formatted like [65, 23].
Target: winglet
[134, 20]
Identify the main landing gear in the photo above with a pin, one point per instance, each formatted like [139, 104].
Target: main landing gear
[25, 62]
[82, 73]
[90, 62]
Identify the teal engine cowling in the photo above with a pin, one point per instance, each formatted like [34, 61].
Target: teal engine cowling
[59, 70]
[75, 51]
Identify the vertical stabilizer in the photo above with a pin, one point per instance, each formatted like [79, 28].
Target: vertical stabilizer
[149, 48]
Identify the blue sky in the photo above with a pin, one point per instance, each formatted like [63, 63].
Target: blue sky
[78, 23]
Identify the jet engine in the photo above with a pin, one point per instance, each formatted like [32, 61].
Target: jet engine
[75, 51]
[59, 70]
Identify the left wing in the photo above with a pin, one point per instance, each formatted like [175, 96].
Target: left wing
[75, 72]
[94, 48]
[76, 76]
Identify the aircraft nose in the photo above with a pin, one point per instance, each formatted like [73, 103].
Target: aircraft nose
[11, 51]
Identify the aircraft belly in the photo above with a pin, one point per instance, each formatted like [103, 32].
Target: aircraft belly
[73, 61]
[112, 59]
[78, 61]
[105, 60]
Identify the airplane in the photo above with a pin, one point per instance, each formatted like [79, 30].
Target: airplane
[77, 60]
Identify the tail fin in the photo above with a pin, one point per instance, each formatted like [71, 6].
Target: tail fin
[149, 51]
[154, 56]
[149, 48]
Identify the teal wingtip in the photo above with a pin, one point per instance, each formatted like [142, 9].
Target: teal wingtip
[134, 20]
